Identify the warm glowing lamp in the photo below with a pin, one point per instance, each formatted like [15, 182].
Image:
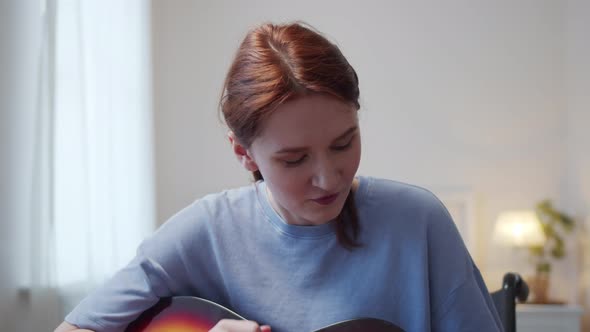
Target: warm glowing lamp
[518, 229]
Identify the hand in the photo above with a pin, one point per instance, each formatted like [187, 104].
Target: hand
[233, 325]
[67, 327]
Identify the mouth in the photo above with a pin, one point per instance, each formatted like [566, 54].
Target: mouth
[326, 200]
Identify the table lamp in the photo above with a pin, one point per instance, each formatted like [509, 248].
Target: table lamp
[518, 229]
[522, 230]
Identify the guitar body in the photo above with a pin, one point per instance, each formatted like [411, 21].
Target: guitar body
[193, 314]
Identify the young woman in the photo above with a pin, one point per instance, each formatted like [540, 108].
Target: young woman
[309, 243]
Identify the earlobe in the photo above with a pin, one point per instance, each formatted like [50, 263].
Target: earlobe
[249, 163]
[242, 153]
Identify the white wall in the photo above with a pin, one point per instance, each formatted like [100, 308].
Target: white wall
[576, 173]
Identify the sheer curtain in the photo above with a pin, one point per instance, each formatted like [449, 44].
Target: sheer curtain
[93, 177]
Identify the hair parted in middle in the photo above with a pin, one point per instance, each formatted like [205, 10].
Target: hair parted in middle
[277, 63]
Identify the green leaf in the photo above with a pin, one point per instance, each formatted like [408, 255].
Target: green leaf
[537, 250]
[549, 231]
[567, 222]
[558, 252]
[543, 267]
[554, 224]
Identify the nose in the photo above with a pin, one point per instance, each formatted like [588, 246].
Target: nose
[327, 175]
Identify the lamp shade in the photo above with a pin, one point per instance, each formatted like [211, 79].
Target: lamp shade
[518, 229]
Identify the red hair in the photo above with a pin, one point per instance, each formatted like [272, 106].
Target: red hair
[276, 63]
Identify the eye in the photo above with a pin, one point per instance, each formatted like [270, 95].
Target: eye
[291, 163]
[343, 147]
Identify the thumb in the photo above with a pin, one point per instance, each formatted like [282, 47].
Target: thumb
[265, 328]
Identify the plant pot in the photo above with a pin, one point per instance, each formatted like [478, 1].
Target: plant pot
[539, 287]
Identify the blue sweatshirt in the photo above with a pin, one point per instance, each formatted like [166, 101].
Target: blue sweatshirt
[234, 249]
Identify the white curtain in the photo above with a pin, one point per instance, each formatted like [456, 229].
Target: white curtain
[93, 178]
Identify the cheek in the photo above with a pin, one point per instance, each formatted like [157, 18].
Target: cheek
[293, 184]
[351, 164]
[288, 185]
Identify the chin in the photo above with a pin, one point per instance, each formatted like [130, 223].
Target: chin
[322, 217]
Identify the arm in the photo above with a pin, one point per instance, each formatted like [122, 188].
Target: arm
[67, 327]
[158, 270]
[460, 299]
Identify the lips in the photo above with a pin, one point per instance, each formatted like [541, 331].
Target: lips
[326, 199]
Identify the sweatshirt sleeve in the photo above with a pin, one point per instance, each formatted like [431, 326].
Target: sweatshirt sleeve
[158, 270]
[460, 300]
[468, 308]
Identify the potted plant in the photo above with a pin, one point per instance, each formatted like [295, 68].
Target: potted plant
[555, 225]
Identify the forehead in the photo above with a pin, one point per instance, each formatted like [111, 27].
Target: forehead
[308, 120]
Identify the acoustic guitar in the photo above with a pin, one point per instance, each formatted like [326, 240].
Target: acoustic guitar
[193, 314]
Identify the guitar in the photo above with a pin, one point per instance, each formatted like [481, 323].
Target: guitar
[193, 314]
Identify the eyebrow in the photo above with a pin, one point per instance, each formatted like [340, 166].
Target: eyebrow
[301, 149]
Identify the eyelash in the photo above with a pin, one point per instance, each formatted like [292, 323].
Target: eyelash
[295, 162]
[343, 147]
[300, 160]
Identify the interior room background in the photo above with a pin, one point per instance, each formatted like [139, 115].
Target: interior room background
[490, 99]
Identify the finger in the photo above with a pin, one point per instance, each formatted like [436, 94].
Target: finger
[233, 325]
[265, 328]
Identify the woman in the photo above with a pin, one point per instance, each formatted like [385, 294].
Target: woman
[308, 244]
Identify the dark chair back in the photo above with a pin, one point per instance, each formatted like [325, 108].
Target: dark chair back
[513, 288]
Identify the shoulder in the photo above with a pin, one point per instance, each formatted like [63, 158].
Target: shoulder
[408, 208]
[418, 213]
[228, 200]
[207, 215]
[396, 195]
[215, 204]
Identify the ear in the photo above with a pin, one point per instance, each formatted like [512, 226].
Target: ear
[242, 153]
